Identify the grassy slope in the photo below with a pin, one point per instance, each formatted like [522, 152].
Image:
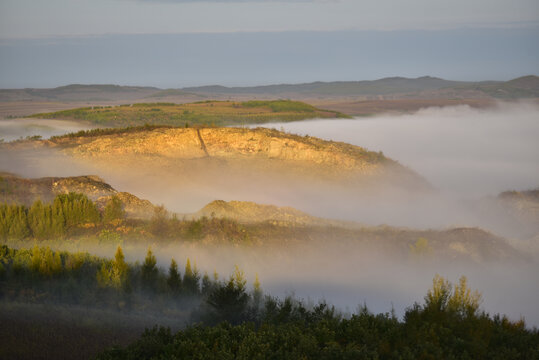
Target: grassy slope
[208, 112]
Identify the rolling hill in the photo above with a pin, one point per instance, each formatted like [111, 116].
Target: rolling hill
[422, 87]
[14, 189]
[207, 112]
[425, 87]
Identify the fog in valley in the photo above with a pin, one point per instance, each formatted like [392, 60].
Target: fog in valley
[462, 151]
[351, 276]
[467, 155]
[14, 129]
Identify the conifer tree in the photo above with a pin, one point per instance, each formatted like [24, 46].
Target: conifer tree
[36, 219]
[174, 280]
[207, 285]
[56, 267]
[5, 221]
[119, 269]
[103, 275]
[159, 221]
[149, 270]
[47, 263]
[113, 210]
[58, 219]
[257, 292]
[36, 260]
[190, 279]
[18, 228]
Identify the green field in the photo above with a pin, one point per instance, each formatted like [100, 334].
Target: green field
[216, 113]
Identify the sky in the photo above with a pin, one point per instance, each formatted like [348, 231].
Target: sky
[37, 18]
[171, 43]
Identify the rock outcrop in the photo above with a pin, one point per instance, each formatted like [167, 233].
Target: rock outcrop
[250, 212]
[260, 150]
[14, 189]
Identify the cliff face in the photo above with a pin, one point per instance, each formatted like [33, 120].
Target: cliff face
[230, 143]
[14, 189]
[261, 150]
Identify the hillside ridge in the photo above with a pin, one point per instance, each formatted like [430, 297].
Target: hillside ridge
[15, 189]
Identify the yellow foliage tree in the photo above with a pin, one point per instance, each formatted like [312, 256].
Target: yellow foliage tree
[444, 297]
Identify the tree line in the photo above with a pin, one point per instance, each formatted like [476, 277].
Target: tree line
[75, 214]
[44, 221]
[83, 279]
[231, 321]
[448, 325]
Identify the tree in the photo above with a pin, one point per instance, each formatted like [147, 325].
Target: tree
[113, 210]
[438, 296]
[158, 222]
[38, 221]
[207, 285]
[421, 247]
[149, 270]
[459, 299]
[174, 280]
[19, 223]
[48, 263]
[77, 209]
[114, 273]
[463, 300]
[257, 293]
[228, 301]
[119, 269]
[191, 279]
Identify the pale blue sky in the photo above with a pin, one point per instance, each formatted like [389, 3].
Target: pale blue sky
[39, 18]
[176, 43]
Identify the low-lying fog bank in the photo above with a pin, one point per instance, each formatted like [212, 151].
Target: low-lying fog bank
[351, 276]
[14, 129]
[463, 151]
[467, 154]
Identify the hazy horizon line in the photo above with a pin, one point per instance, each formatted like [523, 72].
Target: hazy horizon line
[460, 27]
[268, 84]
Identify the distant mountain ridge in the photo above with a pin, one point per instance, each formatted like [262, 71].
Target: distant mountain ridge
[79, 92]
[425, 86]
[365, 87]
[526, 86]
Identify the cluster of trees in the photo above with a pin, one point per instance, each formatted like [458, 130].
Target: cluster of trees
[448, 325]
[74, 214]
[235, 322]
[82, 279]
[42, 221]
[164, 225]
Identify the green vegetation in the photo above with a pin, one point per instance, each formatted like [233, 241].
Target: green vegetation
[231, 321]
[110, 131]
[280, 105]
[72, 216]
[41, 275]
[216, 113]
[420, 248]
[447, 326]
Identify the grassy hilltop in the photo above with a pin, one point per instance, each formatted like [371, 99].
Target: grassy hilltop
[217, 113]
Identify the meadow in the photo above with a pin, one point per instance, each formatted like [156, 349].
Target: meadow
[216, 113]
